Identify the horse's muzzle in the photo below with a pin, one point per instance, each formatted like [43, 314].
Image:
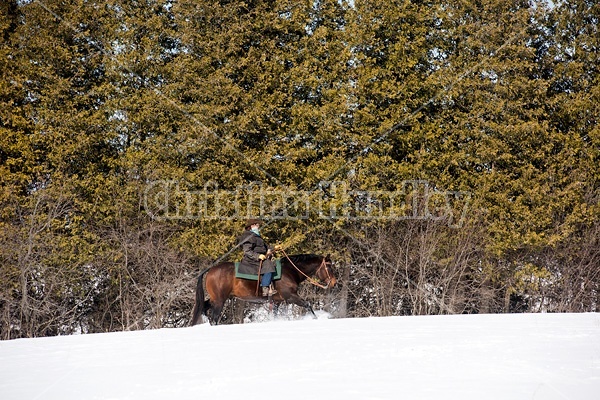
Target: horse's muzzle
[331, 283]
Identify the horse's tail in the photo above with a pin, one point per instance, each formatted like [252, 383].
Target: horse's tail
[199, 307]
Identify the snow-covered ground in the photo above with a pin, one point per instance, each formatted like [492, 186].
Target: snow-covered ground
[522, 356]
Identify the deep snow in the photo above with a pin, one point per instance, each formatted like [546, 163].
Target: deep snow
[521, 356]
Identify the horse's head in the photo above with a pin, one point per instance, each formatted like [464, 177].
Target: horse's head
[325, 272]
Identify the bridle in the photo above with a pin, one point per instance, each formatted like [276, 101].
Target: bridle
[313, 281]
[329, 275]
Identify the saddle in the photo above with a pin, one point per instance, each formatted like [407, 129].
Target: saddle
[253, 277]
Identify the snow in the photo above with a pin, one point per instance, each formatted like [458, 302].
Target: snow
[519, 356]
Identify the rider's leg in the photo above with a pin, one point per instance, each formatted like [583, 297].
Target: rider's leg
[266, 279]
[265, 282]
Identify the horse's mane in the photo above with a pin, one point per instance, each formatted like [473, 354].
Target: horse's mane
[296, 259]
[302, 258]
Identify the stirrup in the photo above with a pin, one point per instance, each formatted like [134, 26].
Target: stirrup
[272, 290]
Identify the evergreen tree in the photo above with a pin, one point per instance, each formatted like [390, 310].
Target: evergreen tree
[108, 109]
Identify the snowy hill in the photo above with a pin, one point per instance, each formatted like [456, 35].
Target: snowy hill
[523, 356]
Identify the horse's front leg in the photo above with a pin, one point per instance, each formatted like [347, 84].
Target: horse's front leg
[309, 307]
[275, 309]
[295, 299]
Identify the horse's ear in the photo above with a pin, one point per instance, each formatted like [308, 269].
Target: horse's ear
[327, 257]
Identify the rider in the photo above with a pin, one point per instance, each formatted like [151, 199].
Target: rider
[256, 251]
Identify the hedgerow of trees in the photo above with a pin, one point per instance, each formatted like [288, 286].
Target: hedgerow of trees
[493, 105]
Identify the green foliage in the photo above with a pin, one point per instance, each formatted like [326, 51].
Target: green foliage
[101, 103]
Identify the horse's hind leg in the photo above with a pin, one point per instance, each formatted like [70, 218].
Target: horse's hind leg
[216, 310]
[219, 283]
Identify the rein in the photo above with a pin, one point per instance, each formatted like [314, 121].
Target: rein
[308, 278]
[258, 280]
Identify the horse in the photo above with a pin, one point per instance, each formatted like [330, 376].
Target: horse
[222, 284]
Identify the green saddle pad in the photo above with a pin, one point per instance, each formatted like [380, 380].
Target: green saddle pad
[253, 277]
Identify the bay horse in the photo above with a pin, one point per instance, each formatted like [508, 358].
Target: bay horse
[222, 284]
